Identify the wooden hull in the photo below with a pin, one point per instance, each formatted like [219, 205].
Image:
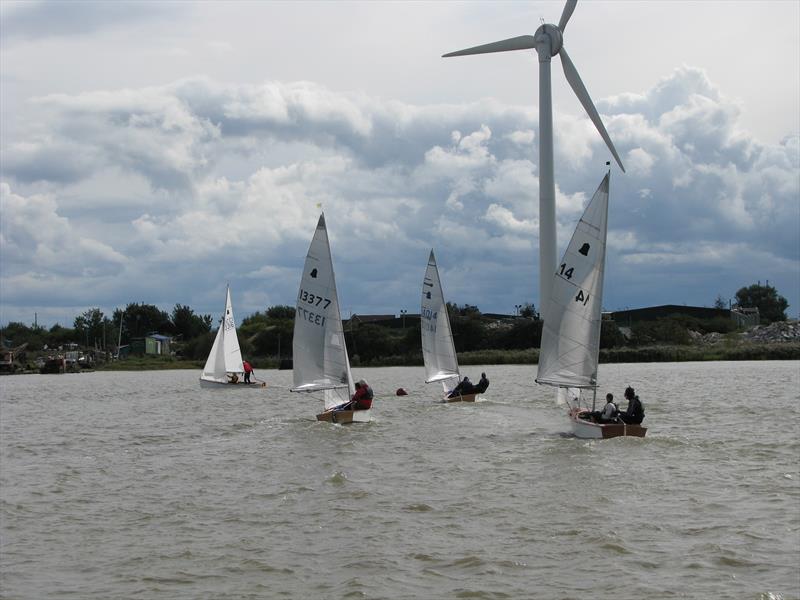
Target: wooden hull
[216, 385]
[590, 430]
[343, 417]
[462, 398]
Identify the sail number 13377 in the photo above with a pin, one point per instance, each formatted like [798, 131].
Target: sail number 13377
[313, 299]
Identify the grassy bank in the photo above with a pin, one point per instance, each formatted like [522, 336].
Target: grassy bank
[784, 351]
[661, 353]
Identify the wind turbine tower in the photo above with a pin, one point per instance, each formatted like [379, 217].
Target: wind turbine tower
[548, 41]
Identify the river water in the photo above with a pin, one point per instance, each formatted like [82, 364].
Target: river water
[142, 485]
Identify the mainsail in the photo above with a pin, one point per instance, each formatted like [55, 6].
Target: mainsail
[571, 337]
[319, 353]
[225, 356]
[438, 351]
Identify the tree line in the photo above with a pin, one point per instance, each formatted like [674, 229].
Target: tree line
[270, 333]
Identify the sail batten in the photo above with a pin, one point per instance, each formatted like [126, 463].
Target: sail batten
[438, 349]
[571, 334]
[320, 361]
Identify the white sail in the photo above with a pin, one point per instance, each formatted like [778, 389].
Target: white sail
[438, 350]
[319, 352]
[225, 356]
[571, 337]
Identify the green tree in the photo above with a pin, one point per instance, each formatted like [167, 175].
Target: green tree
[468, 310]
[771, 306]
[89, 326]
[16, 334]
[720, 302]
[142, 319]
[58, 336]
[281, 312]
[274, 339]
[198, 348]
[521, 335]
[610, 335]
[187, 324]
[668, 330]
[369, 341]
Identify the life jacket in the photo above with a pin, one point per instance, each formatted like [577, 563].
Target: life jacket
[609, 411]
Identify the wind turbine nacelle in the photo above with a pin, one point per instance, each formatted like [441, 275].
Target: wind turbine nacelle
[550, 37]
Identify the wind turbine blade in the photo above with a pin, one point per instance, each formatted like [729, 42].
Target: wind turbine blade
[569, 8]
[522, 42]
[580, 91]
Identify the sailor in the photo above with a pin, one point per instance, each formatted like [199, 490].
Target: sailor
[362, 399]
[248, 370]
[482, 384]
[634, 414]
[609, 413]
[233, 378]
[464, 387]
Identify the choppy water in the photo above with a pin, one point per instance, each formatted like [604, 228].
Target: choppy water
[142, 485]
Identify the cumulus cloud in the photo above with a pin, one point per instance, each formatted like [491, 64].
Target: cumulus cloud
[230, 176]
[34, 237]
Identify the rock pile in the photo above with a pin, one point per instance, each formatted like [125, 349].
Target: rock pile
[708, 338]
[780, 331]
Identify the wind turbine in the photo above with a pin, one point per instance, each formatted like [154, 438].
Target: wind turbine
[548, 41]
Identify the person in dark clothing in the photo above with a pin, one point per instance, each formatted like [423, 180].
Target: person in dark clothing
[634, 414]
[463, 388]
[482, 384]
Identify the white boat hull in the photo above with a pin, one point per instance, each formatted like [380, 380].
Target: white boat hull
[343, 417]
[589, 430]
[212, 384]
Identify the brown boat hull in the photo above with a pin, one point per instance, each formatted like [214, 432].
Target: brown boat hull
[462, 398]
[343, 417]
[586, 429]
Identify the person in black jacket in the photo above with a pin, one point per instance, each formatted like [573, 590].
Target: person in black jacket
[482, 384]
[463, 388]
[634, 414]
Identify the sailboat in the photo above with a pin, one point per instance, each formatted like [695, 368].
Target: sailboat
[438, 350]
[320, 362]
[224, 363]
[570, 345]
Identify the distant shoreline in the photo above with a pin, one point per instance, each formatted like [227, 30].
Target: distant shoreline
[662, 353]
[724, 351]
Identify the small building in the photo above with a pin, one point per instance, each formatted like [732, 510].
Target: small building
[158, 344]
[154, 344]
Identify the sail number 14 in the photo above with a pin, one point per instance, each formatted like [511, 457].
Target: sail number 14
[566, 273]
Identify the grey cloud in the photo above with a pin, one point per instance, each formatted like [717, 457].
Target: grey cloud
[53, 18]
[396, 179]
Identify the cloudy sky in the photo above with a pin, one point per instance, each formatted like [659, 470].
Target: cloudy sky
[152, 152]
